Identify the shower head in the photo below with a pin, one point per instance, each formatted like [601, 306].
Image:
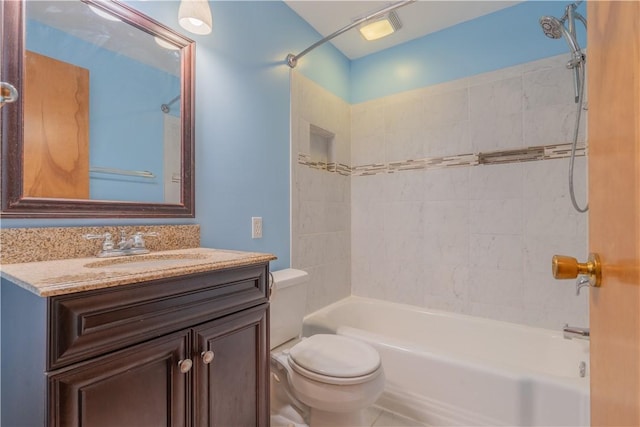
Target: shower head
[551, 26]
[555, 29]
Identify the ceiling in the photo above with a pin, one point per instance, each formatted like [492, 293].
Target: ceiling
[418, 19]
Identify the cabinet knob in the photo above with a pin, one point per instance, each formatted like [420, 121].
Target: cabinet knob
[185, 365]
[207, 356]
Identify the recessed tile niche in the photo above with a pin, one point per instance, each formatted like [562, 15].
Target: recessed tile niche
[321, 145]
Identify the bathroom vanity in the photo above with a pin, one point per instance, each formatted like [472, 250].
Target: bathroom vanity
[176, 338]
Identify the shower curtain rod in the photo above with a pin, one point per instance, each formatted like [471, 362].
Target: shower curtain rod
[166, 107]
[292, 60]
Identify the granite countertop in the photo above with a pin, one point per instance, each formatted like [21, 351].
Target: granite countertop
[50, 278]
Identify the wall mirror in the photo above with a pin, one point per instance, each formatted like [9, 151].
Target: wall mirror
[103, 126]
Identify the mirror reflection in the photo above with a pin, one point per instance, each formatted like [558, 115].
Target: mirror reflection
[101, 107]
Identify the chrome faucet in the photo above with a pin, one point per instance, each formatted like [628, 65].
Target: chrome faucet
[134, 242]
[133, 245]
[124, 243]
[571, 332]
[581, 283]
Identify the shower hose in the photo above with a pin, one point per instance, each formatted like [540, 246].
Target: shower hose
[575, 142]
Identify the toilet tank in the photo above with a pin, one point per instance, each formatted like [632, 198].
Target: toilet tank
[288, 304]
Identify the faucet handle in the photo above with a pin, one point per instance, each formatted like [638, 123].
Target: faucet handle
[107, 244]
[148, 233]
[138, 241]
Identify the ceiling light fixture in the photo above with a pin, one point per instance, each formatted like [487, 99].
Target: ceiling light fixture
[381, 27]
[195, 16]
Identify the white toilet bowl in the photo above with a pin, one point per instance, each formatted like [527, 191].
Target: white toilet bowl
[334, 376]
[328, 380]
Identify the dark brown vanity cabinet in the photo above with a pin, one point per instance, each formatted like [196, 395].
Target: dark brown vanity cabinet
[187, 351]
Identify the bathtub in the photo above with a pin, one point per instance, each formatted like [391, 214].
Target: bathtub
[447, 369]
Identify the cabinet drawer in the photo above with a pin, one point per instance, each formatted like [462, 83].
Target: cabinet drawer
[91, 323]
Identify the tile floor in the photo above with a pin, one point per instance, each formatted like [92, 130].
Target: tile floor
[374, 417]
[377, 417]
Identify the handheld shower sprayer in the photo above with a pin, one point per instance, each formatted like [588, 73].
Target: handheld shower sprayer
[554, 28]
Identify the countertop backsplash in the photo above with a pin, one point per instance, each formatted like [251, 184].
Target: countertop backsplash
[18, 245]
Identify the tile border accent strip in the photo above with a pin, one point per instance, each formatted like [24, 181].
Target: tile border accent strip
[527, 154]
[340, 168]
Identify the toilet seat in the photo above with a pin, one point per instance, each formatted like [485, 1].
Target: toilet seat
[334, 359]
[325, 379]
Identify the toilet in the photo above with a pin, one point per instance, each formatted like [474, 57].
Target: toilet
[329, 379]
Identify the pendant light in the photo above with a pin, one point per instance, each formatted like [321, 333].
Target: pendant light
[195, 16]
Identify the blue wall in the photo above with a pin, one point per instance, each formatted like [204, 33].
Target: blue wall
[124, 107]
[501, 39]
[243, 151]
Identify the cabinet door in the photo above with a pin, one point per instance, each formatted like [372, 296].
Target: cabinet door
[139, 386]
[232, 389]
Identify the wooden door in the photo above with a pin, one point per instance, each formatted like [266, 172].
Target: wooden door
[613, 63]
[141, 386]
[233, 389]
[56, 129]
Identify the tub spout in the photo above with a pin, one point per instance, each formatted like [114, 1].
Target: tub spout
[571, 332]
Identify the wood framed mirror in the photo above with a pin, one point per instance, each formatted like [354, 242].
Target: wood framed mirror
[104, 122]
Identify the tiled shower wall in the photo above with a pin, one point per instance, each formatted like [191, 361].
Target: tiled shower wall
[321, 193]
[458, 196]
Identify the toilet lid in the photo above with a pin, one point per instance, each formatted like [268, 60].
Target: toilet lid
[335, 356]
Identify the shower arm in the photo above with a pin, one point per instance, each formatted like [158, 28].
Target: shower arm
[292, 60]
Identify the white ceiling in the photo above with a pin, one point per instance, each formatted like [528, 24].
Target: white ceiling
[418, 19]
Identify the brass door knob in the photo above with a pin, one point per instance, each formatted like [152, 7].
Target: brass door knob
[566, 267]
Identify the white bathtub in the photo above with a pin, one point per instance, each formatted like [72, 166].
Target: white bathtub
[449, 369]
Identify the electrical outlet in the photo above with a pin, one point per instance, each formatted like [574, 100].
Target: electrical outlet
[256, 227]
